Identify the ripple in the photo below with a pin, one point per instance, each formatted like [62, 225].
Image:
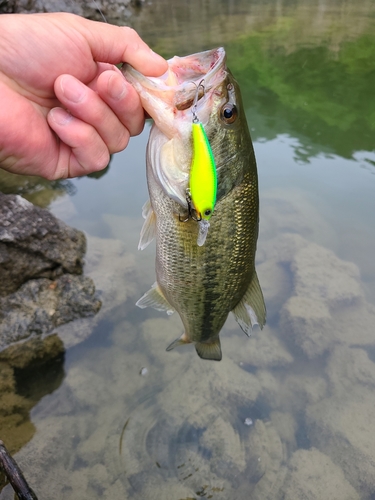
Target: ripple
[196, 448]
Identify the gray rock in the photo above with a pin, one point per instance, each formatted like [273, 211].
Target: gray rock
[34, 244]
[41, 305]
[111, 9]
[8, 6]
[40, 258]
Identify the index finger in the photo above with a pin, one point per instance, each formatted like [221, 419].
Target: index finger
[115, 44]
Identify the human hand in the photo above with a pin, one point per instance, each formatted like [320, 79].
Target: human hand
[64, 106]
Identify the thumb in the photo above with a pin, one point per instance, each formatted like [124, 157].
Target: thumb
[115, 44]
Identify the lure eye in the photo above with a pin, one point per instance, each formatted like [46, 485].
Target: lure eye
[206, 213]
[228, 113]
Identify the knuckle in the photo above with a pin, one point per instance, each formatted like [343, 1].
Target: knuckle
[130, 32]
[119, 142]
[101, 161]
[92, 150]
[139, 129]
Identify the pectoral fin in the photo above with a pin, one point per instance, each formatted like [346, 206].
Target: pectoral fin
[251, 310]
[209, 350]
[148, 231]
[155, 298]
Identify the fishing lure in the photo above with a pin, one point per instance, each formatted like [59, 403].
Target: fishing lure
[203, 177]
[202, 189]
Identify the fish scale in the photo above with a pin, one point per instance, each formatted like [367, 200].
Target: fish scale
[202, 283]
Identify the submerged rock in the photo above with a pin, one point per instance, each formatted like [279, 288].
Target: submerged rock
[313, 476]
[319, 274]
[342, 429]
[348, 368]
[307, 320]
[326, 289]
[32, 353]
[34, 244]
[38, 362]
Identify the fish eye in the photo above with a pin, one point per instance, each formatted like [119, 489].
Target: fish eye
[228, 113]
[207, 212]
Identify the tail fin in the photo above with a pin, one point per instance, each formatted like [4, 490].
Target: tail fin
[209, 350]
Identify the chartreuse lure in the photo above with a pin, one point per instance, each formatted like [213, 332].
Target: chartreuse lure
[201, 193]
[203, 177]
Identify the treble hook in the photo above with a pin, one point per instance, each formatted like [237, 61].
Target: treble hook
[196, 98]
[194, 106]
[190, 210]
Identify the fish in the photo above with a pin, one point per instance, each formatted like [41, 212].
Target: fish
[203, 278]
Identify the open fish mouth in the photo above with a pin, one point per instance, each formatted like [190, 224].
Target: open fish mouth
[177, 88]
[191, 68]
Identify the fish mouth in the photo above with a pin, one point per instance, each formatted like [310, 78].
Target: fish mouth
[181, 70]
[176, 90]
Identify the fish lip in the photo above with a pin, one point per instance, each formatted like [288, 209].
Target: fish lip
[211, 61]
[168, 99]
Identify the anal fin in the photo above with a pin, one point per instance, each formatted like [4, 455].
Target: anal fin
[251, 310]
[180, 341]
[155, 298]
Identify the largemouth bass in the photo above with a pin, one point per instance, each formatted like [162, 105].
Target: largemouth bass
[202, 278]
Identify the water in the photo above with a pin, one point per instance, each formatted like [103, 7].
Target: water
[122, 418]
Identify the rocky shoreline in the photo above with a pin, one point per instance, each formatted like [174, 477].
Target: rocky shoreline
[113, 11]
[41, 266]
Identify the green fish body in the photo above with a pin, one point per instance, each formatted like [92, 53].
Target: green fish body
[203, 283]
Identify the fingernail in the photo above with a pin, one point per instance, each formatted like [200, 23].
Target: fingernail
[73, 89]
[116, 87]
[60, 116]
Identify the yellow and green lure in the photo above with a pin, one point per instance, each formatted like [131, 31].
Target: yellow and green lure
[203, 177]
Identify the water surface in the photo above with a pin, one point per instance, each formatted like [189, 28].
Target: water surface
[288, 413]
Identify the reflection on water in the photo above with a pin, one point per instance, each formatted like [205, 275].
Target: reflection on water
[27, 374]
[306, 381]
[35, 189]
[317, 92]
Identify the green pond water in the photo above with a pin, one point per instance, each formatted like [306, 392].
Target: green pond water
[289, 413]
